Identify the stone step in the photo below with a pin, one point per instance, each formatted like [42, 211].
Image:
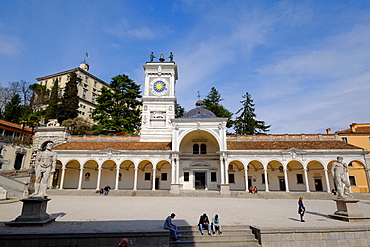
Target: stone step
[219, 242]
[233, 235]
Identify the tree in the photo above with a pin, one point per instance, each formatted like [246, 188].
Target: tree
[245, 123]
[52, 110]
[212, 103]
[78, 125]
[40, 96]
[70, 99]
[118, 108]
[13, 110]
[179, 111]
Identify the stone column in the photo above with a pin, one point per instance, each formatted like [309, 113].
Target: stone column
[226, 171]
[173, 170]
[177, 171]
[154, 175]
[306, 180]
[80, 177]
[135, 179]
[62, 178]
[117, 178]
[266, 180]
[327, 180]
[246, 178]
[99, 178]
[222, 170]
[286, 180]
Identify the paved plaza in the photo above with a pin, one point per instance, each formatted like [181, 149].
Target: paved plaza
[135, 213]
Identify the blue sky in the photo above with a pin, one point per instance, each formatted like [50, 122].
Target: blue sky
[305, 63]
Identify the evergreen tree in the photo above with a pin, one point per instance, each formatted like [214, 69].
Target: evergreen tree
[179, 111]
[52, 110]
[118, 108]
[245, 123]
[13, 110]
[69, 100]
[212, 103]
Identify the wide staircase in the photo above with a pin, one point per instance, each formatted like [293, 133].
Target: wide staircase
[238, 235]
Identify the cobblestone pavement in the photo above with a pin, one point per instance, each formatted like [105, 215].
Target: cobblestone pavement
[118, 213]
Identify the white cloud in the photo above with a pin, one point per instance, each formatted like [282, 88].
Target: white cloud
[10, 45]
[127, 32]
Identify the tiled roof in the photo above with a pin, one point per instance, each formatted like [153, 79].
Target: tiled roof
[359, 130]
[281, 145]
[115, 145]
[15, 126]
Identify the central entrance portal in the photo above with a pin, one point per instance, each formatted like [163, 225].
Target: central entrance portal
[200, 180]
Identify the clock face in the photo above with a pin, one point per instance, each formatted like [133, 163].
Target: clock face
[159, 86]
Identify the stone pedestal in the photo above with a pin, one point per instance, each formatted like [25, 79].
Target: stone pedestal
[347, 210]
[175, 189]
[33, 213]
[224, 189]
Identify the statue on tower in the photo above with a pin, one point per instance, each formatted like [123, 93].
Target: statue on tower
[171, 57]
[152, 56]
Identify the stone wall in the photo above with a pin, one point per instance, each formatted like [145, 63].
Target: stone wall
[310, 236]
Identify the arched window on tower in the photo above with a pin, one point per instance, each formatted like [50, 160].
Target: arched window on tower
[196, 149]
[203, 148]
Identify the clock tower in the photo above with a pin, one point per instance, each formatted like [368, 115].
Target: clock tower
[159, 101]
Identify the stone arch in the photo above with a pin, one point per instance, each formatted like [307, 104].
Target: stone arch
[90, 174]
[108, 174]
[316, 176]
[357, 177]
[255, 174]
[236, 167]
[145, 175]
[195, 133]
[275, 172]
[72, 174]
[295, 175]
[163, 175]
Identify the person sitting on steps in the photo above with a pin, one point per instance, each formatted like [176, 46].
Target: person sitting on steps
[216, 226]
[204, 223]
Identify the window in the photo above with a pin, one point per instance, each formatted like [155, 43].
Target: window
[86, 78]
[93, 97]
[94, 89]
[299, 178]
[164, 176]
[186, 176]
[231, 178]
[196, 149]
[95, 83]
[213, 177]
[352, 180]
[68, 77]
[203, 149]
[84, 93]
[344, 139]
[147, 176]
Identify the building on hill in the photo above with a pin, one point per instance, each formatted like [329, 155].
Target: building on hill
[15, 147]
[194, 152]
[88, 88]
[358, 135]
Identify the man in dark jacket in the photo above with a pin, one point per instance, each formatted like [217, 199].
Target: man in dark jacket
[204, 223]
[168, 225]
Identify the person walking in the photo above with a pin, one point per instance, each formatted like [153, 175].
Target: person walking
[168, 225]
[301, 208]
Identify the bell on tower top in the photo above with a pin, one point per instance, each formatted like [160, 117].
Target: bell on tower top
[161, 58]
[84, 65]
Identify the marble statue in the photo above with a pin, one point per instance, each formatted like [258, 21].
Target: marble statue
[339, 170]
[45, 164]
